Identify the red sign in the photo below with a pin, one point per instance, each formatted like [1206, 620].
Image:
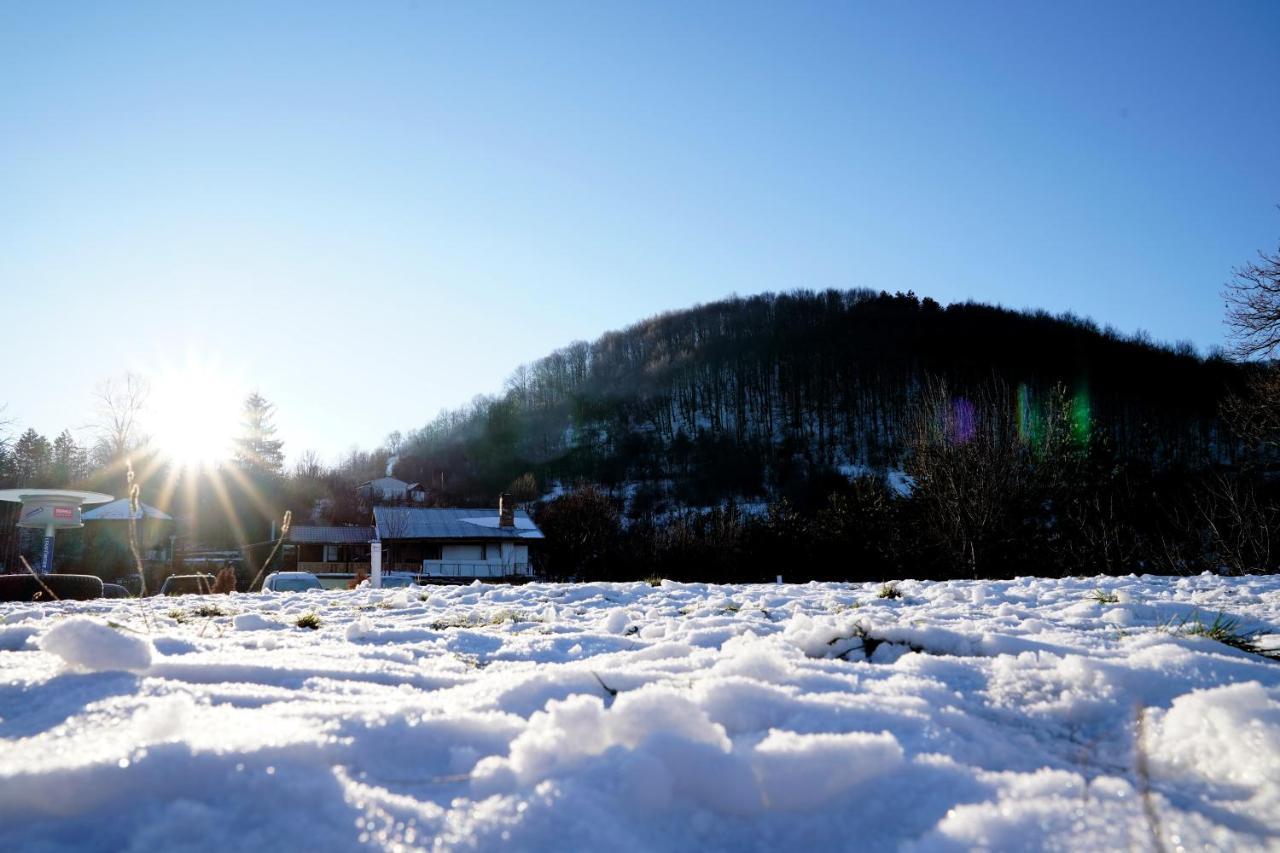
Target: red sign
[64, 512]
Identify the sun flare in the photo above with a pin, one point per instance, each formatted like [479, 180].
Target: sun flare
[195, 414]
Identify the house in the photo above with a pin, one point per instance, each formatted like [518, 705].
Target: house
[457, 543]
[391, 489]
[107, 532]
[321, 548]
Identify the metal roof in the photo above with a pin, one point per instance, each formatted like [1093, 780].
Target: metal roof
[119, 511]
[328, 535]
[406, 522]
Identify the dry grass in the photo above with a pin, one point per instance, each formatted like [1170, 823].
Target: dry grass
[889, 590]
[308, 620]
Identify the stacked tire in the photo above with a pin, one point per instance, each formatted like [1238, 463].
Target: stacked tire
[48, 587]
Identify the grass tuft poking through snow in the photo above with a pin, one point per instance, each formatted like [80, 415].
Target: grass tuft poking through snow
[1103, 597]
[889, 590]
[308, 620]
[1226, 630]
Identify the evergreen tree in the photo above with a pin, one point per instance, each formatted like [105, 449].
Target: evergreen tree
[256, 449]
[70, 462]
[32, 458]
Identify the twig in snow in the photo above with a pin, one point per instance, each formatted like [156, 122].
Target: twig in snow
[606, 688]
[39, 579]
[135, 509]
[1144, 779]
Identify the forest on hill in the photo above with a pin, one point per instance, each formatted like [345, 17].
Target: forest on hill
[855, 434]
[773, 395]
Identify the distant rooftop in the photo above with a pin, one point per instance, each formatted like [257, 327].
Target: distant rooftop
[328, 535]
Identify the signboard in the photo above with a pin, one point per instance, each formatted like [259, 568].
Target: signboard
[55, 511]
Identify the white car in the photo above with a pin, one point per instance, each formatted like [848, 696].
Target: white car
[290, 582]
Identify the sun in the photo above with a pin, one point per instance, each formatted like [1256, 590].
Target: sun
[194, 414]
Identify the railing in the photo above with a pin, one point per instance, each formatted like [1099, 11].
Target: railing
[472, 569]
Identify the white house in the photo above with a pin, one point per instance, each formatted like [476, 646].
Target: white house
[461, 543]
[391, 489]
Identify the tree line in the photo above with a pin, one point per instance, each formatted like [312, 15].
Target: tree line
[1092, 453]
[838, 434]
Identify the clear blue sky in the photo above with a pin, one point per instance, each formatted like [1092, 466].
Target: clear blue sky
[369, 211]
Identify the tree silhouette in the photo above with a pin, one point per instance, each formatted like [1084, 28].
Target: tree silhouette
[255, 448]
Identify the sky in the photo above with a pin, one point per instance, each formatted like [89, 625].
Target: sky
[369, 212]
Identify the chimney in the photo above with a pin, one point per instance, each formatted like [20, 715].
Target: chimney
[506, 511]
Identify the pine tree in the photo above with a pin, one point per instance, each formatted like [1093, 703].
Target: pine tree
[256, 448]
[70, 461]
[32, 456]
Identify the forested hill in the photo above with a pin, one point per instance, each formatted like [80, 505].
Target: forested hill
[767, 395]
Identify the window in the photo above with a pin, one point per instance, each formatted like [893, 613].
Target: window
[331, 553]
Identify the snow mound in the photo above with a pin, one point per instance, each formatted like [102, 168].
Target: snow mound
[86, 644]
[254, 622]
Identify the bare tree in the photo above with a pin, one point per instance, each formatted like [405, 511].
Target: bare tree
[119, 406]
[309, 466]
[1253, 306]
[1239, 524]
[967, 462]
[1253, 322]
[1255, 415]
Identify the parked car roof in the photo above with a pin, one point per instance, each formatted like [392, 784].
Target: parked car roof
[290, 582]
[187, 585]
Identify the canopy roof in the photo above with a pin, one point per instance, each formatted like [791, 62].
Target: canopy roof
[119, 511]
[19, 495]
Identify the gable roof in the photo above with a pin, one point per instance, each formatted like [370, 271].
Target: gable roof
[386, 481]
[328, 534]
[406, 522]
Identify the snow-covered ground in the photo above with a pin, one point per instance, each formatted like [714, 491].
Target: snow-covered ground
[1013, 715]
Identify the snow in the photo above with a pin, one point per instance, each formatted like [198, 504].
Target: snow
[86, 645]
[1010, 715]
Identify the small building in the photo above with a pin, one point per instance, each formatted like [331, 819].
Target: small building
[106, 536]
[323, 549]
[391, 489]
[456, 543]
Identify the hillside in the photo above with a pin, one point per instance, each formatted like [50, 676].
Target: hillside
[775, 395]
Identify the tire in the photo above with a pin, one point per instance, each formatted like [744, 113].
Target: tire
[114, 590]
[66, 587]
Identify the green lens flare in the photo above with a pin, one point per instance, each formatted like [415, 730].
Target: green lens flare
[1081, 415]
